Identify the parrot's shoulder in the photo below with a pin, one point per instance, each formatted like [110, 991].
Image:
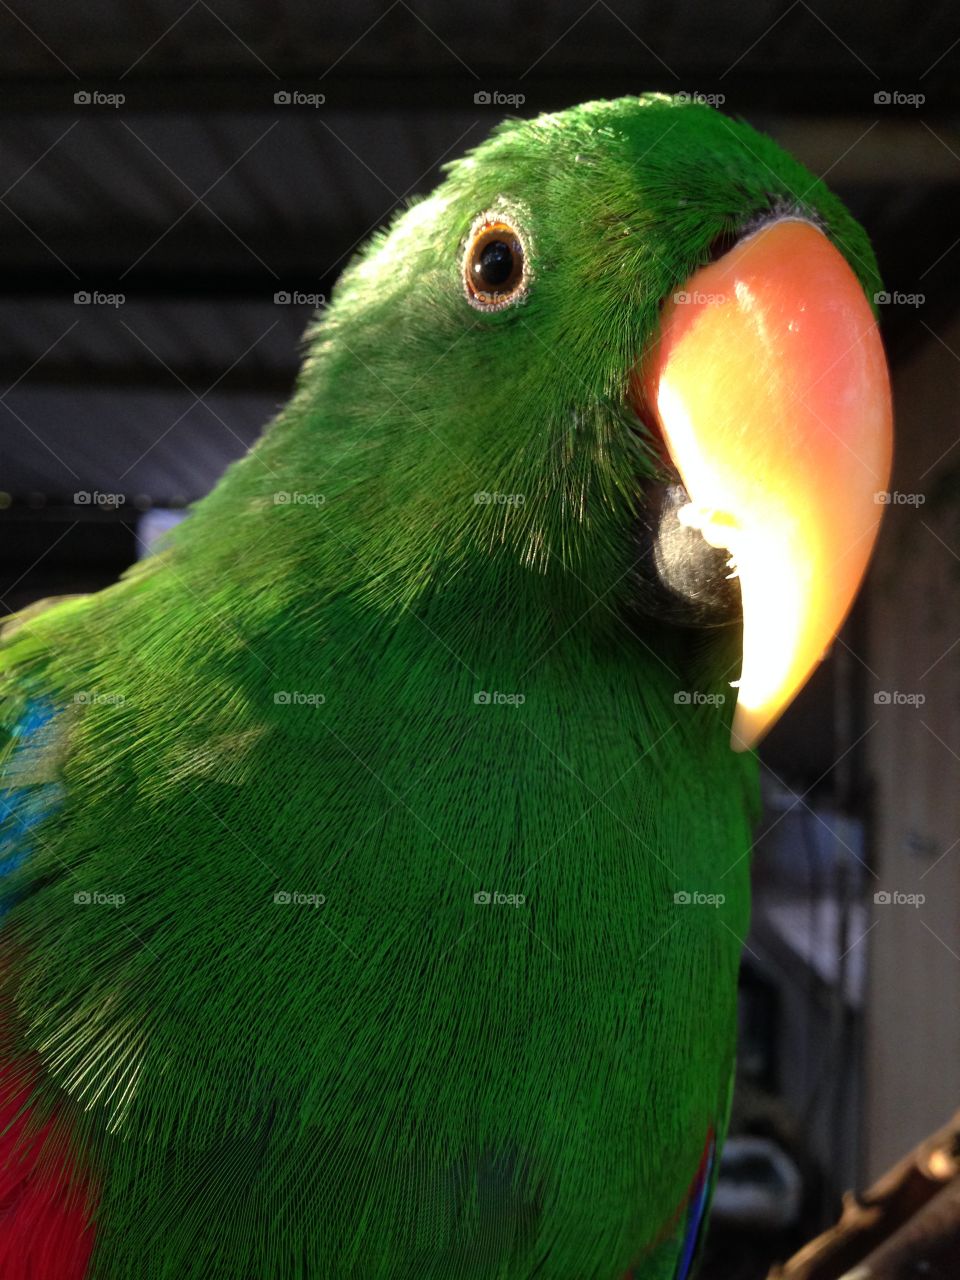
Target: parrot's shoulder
[10, 625]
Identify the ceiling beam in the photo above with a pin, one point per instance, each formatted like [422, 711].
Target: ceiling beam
[746, 89]
[136, 375]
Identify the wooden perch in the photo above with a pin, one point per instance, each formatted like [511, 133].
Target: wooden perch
[906, 1225]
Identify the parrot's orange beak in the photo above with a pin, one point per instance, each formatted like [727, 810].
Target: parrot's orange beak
[771, 390]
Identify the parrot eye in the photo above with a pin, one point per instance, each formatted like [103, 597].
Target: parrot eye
[495, 272]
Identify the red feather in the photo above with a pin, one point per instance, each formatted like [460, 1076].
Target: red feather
[46, 1198]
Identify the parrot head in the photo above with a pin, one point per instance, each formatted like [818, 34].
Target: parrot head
[629, 347]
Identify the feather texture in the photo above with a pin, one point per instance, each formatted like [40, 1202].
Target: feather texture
[374, 977]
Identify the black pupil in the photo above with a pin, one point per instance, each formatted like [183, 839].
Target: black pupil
[495, 264]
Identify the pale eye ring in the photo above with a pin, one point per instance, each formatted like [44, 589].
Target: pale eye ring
[496, 270]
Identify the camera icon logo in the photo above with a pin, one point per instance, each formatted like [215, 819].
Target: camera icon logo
[82, 899]
[282, 699]
[882, 98]
[682, 698]
[82, 298]
[82, 498]
[82, 97]
[482, 98]
[482, 698]
[282, 98]
[882, 698]
[881, 299]
[482, 899]
[282, 298]
[281, 898]
[681, 898]
[882, 898]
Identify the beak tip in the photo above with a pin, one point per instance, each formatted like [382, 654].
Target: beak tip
[747, 729]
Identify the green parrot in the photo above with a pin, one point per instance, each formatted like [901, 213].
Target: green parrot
[375, 854]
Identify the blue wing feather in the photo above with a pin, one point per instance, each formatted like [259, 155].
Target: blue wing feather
[30, 790]
[697, 1210]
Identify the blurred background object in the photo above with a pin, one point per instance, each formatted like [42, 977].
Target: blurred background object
[906, 1225]
[181, 185]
